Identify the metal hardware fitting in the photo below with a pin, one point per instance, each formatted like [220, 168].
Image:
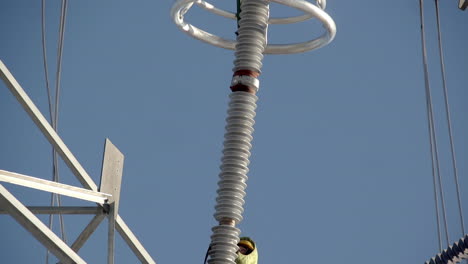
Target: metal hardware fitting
[246, 80]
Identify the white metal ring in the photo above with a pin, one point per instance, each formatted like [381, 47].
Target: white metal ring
[182, 6]
[283, 20]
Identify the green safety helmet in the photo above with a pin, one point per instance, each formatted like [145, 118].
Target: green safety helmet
[252, 256]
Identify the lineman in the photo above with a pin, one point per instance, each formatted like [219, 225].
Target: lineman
[247, 253]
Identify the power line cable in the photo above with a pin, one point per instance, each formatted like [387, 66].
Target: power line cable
[44, 55]
[448, 118]
[437, 165]
[49, 97]
[59, 59]
[432, 136]
[57, 99]
[53, 111]
[436, 199]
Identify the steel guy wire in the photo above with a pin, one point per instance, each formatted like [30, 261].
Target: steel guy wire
[57, 95]
[437, 163]
[54, 112]
[447, 112]
[434, 180]
[44, 55]
[51, 114]
[435, 154]
[57, 99]
[427, 89]
[59, 58]
[49, 97]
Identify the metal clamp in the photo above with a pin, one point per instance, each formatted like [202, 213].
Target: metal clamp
[246, 80]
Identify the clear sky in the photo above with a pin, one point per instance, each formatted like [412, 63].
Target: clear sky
[340, 167]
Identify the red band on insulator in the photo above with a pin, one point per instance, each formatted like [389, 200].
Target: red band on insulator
[246, 72]
[243, 88]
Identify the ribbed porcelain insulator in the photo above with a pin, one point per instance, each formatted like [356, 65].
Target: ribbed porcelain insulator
[252, 34]
[236, 153]
[251, 43]
[233, 176]
[455, 253]
[224, 244]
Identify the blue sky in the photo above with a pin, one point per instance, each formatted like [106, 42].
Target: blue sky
[340, 166]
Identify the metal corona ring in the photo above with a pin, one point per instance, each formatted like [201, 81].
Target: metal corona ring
[181, 7]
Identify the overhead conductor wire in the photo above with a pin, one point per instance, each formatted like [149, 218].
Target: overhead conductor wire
[437, 166]
[447, 112]
[63, 17]
[54, 112]
[432, 136]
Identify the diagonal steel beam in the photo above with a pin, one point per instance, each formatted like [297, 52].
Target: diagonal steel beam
[87, 232]
[35, 226]
[54, 187]
[133, 242]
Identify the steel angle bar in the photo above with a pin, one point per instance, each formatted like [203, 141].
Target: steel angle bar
[111, 235]
[35, 226]
[132, 242]
[87, 232]
[46, 129]
[54, 187]
[68, 210]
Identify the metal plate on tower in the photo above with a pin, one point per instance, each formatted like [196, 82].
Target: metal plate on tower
[111, 175]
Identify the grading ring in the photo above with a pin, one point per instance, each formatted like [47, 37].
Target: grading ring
[182, 6]
[286, 20]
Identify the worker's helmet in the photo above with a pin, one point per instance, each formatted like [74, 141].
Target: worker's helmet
[248, 251]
